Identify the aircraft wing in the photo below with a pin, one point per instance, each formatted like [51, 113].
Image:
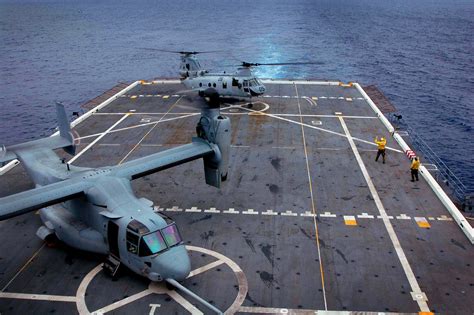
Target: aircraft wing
[163, 160]
[41, 197]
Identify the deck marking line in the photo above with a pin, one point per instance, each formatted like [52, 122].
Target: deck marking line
[123, 302]
[301, 123]
[422, 222]
[174, 208]
[313, 205]
[212, 210]
[166, 96]
[350, 220]
[385, 216]
[431, 218]
[24, 267]
[149, 131]
[327, 215]
[365, 215]
[349, 99]
[193, 209]
[289, 213]
[38, 297]
[403, 216]
[308, 214]
[184, 303]
[205, 268]
[97, 139]
[231, 211]
[269, 212]
[444, 218]
[250, 211]
[416, 291]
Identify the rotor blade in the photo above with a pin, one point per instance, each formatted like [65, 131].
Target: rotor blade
[257, 64]
[183, 52]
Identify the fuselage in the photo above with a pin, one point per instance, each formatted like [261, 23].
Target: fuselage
[110, 219]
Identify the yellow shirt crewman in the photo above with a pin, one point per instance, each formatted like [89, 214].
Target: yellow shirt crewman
[381, 148]
[415, 165]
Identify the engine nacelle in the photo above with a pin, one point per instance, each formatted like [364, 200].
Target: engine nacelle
[215, 128]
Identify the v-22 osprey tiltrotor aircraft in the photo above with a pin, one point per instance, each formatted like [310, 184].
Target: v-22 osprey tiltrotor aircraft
[96, 210]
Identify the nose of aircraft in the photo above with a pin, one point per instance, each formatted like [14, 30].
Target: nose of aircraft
[174, 263]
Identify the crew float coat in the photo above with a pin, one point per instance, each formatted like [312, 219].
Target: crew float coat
[381, 143]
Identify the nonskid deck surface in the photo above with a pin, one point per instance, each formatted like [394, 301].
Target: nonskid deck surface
[306, 221]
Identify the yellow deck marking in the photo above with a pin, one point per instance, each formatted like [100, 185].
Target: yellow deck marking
[422, 222]
[314, 98]
[133, 96]
[166, 96]
[350, 220]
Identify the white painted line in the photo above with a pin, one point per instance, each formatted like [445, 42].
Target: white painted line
[444, 218]
[308, 214]
[249, 211]
[239, 146]
[175, 95]
[314, 98]
[388, 217]
[431, 218]
[289, 213]
[205, 268]
[231, 211]
[193, 209]
[323, 97]
[123, 302]
[38, 297]
[403, 216]
[97, 139]
[327, 215]
[365, 215]
[341, 97]
[174, 208]
[184, 303]
[157, 209]
[269, 212]
[212, 210]
[349, 99]
[422, 303]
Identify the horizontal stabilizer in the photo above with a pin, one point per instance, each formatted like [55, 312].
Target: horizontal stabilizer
[62, 140]
[41, 197]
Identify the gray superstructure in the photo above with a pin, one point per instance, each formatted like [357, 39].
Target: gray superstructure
[306, 222]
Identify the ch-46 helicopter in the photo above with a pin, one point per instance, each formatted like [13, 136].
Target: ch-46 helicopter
[96, 210]
[243, 83]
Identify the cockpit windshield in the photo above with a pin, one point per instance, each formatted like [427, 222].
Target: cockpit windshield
[160, 240]
[253, 82]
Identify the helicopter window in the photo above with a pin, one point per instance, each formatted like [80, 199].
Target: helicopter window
[209, 84]
[253, 82]
[200, 84]
[151, 244]
[132, 242]
[171, 235]
[187, 66]
[246, 83]
[235, 82]
[214, 84]
[137, 227]
[224, 85]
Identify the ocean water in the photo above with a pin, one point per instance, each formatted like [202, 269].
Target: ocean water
[420, 53]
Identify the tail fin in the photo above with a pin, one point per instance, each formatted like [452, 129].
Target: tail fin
[65, 128]
[64, 140]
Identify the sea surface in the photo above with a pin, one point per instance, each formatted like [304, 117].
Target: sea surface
[419, 53]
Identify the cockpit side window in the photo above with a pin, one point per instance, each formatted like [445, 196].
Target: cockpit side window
[132, 242]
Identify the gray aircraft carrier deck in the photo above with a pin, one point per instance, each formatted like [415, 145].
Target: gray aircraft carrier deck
[306, 222]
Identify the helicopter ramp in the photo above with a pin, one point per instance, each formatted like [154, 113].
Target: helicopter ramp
[307, 222]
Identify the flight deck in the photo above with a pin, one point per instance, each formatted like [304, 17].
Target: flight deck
[306, 223]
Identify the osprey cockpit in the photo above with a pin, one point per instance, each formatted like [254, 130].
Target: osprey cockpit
[155, 253]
